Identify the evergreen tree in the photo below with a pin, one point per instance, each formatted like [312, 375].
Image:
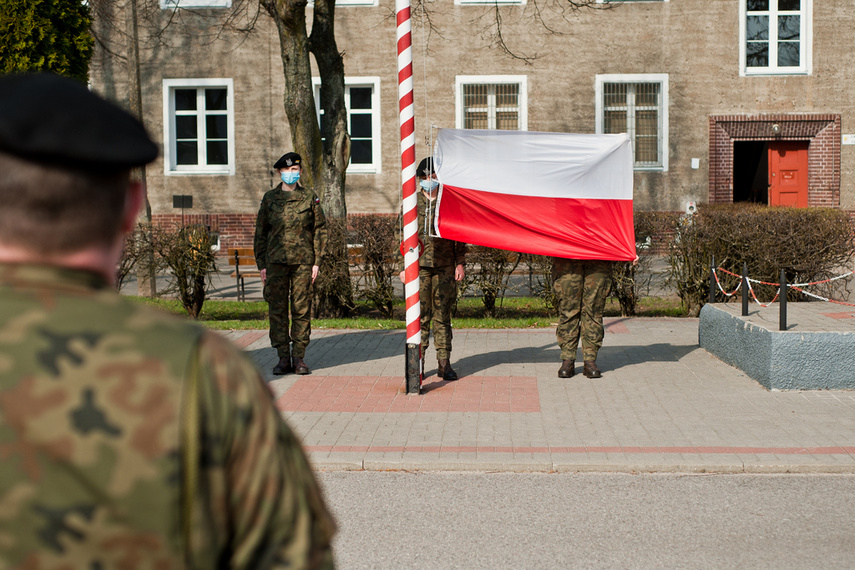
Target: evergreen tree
[45, 35]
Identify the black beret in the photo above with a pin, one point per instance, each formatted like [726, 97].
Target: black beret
[286, 160]
[53, 120]
[425, 167]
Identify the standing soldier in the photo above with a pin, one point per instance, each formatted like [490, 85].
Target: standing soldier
[127, 436]
[441, 265]
[582, 287]
[290, 239]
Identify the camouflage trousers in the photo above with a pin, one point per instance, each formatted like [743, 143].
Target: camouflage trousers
[288, 292]
[582, 287]
[437, 293]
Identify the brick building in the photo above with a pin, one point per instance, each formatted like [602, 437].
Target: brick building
[725, 100]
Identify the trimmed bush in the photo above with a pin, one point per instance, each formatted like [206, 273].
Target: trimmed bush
[809, 244]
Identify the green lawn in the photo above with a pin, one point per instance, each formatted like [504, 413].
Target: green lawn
[515, 312]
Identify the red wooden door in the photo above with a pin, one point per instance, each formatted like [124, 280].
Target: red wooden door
[788, 174]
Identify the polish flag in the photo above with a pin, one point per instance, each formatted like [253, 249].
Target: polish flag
[559, 194]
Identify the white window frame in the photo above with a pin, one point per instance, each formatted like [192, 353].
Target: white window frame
[461, 80]
[805, 42]
[169, 142]
[662, 80]
[173, 4]
[375, 167]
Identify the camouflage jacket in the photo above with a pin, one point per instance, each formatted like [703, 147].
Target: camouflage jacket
[290, 228]
[438, 252]
[90, 440]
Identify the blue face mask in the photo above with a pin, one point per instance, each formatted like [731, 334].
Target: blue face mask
[290, 176]
[428, 185]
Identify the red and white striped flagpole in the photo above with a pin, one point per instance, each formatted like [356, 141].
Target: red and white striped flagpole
[408, 180]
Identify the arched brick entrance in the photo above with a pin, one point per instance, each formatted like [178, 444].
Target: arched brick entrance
[821, 131]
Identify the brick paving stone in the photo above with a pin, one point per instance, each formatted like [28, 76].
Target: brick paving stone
[663, 404]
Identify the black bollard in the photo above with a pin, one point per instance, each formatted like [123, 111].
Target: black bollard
[745, 291]
[782, 319]
[712, 280]
[414, 368]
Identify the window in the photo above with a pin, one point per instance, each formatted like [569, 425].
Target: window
[491, 102]
[195, 4]
[636, 105]
[362, 101]
[198, 118]
[775, 36]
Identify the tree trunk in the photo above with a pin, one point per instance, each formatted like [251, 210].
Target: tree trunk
[146, 279]
[336, 141]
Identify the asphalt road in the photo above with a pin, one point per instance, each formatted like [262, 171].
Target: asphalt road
[536, 520]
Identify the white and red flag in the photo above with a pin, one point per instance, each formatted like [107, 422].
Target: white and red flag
[560, 194]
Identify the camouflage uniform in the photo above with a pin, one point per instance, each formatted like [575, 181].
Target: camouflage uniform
[582, 287]
[91, 415]
[437, 287]
[290, 237]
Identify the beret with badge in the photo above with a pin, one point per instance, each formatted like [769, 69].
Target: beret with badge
[287, 160]
[56, 121]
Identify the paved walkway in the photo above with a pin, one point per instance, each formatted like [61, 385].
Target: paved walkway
[663, 404]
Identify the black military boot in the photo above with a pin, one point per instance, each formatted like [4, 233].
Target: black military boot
[283, 367]
[568, 369]
[300, 366]
[444, 370]
[590, 369]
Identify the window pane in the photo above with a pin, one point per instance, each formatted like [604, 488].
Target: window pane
[646, 150]
[217, 127]
[757, 54]
[789, 5]
[788, 27]
[758, 5]
[186, 152]
[757, 28]
[646, 123]
[507, 94]
[615, 94]
[185, 127]
[360, 126]
[360, 152]
[185, 99]
[507, 121]
[215, 99]
[218, 152]
[475, 120]
[360, 97]
[474, 95]
[647, 95]
[788, 54]
[614, 122]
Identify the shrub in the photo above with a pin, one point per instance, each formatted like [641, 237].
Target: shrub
[378, 236]
[808, 244]
[333, 291]
[187, 252]
[488, 271]
[626, 276]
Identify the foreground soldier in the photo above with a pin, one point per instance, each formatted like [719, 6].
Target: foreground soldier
[290, 239]
[441, 265]
[582, 287]
[128, 438]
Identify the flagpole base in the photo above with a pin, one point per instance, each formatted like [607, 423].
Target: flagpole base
[414, 369]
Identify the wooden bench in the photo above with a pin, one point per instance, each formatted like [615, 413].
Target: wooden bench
[242, 257]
